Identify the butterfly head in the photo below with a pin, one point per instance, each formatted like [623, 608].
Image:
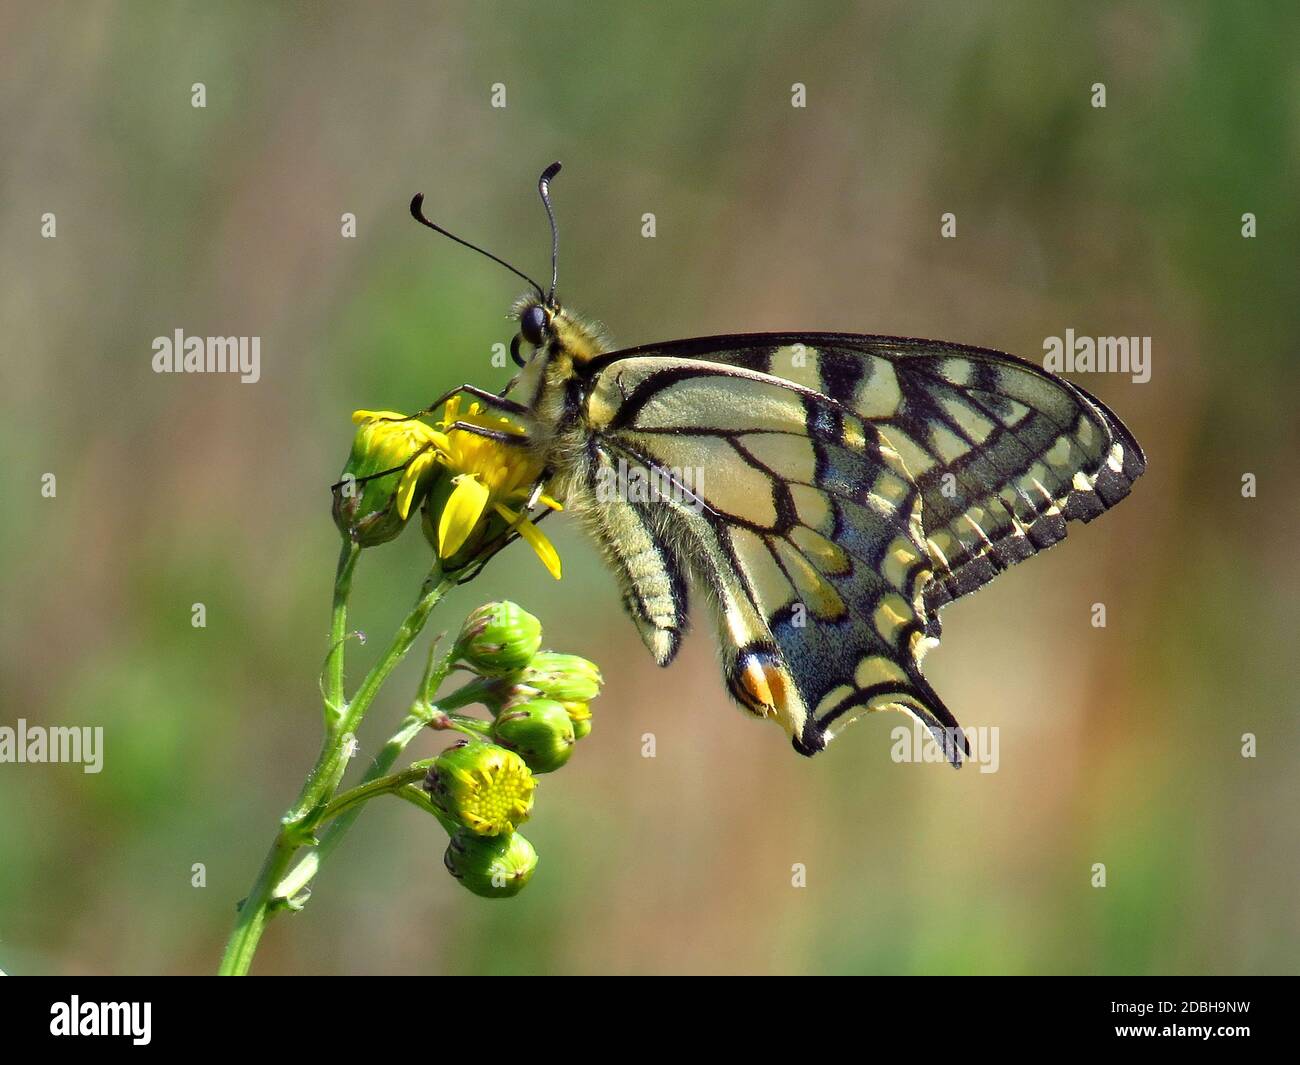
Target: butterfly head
[548, 328]
[535, 322]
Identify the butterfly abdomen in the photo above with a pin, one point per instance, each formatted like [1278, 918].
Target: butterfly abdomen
[631, 534]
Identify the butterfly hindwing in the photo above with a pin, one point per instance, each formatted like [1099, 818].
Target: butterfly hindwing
[801, 525]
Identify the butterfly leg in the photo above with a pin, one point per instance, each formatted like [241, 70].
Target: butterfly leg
[383, 473]
[489, 551]
[489, 398]
[499, 435]
[543, 480]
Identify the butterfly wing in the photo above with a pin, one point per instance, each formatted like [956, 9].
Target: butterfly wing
[844, 489]
[1002, 451]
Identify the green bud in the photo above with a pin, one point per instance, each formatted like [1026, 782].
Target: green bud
[580, 715]
[484, 787]
[372, 509]
[539, 731]
[568, 678]
[496, 867]
[499, 638]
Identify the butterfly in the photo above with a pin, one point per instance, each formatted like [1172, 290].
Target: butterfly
[827, 493]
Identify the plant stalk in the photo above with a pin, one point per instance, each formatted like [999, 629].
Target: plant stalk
[297, 827]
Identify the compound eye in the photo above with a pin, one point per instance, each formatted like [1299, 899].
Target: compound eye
[532, 323]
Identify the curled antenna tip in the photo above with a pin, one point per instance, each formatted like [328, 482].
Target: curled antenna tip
[544, 188]
[417, 205]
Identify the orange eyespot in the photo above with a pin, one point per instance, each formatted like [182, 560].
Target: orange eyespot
[758, 684]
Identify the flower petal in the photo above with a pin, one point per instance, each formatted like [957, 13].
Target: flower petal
[411, 480]
[450, 412]
[359, 416]
[461, 514]
[536, 539]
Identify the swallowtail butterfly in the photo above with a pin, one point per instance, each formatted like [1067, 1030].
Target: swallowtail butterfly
[852, 485]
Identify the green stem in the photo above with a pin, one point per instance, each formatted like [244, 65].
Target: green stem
[352, 799]
[420, 715]
[334, 691]
[297, 826]
[328, 771]
[417, 797]
[338, 826]
[256, 910]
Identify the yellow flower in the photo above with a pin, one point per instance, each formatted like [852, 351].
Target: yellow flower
[491, 482]
[487, 491]
[392, 463]
[484, 787]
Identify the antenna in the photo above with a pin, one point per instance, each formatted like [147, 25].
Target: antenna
[417, 213]
[544, 189]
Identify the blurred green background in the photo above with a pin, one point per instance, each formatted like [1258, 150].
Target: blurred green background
[1119, 745]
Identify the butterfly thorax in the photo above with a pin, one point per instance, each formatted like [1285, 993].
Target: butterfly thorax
[553, 386]
[576, 338]
[553, 382]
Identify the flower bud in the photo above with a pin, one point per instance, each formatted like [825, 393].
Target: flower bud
[372, 509]
[499, 638]
[484, 787]
[567, 678]
[539, 731]
[580, 716]
[494, 867]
